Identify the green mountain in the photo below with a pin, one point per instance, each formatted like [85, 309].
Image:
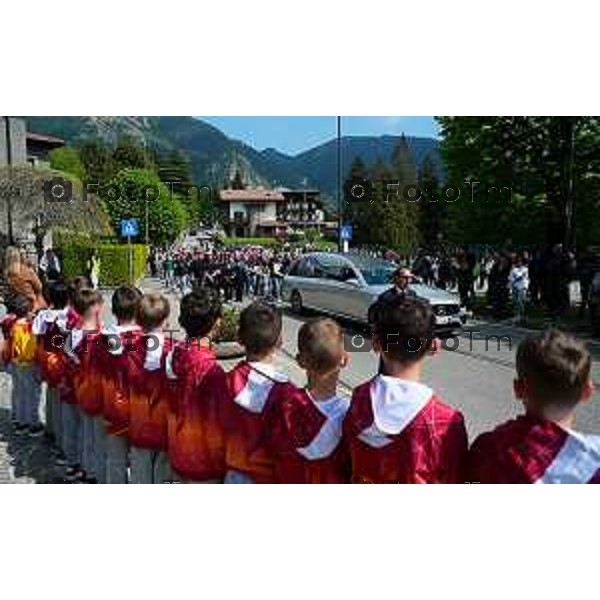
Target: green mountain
[215, 157]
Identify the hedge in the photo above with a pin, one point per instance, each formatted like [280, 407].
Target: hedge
[114, 261]
[251, 241]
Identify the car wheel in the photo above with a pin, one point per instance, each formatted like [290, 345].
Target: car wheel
[296, 302]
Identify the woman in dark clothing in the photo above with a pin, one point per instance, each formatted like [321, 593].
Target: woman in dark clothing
[498, 287]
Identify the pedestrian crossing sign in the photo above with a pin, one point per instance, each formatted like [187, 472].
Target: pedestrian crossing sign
[346, 233]
[129, 228]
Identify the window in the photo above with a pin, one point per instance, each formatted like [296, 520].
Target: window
[303, 268]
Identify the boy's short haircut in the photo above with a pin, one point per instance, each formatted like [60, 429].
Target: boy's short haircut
[19, 305]
[152, 310]
[56, 294]
[404, 329]
[125, 301]
[321, 345]
[260, 328]
[78, 283]
[199, 311]
[84, 299]
[556, 368]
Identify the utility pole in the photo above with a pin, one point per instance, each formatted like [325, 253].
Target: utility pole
[147, 238]
[339, 182]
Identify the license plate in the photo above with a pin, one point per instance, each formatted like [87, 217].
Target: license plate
[443, 320]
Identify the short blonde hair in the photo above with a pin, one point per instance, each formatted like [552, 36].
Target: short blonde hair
[320, 345]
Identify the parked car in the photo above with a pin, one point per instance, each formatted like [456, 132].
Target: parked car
[347, 285]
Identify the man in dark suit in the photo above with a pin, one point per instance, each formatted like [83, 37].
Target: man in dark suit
[401, 278]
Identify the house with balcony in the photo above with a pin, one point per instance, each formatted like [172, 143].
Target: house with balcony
[278, 212]
[253, 212]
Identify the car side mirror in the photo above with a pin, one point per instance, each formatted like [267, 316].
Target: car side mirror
[353, 282]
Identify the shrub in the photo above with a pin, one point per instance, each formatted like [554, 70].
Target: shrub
[68, 161]
[114, 261]
[230, 325]
[251, 241]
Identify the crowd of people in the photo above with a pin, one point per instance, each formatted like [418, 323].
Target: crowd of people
[236, 274]
[510, 280]
[132, 404]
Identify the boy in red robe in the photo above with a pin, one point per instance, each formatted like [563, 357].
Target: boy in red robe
[50, 326]
[306, 429]
[198, 389]
[255, 387]
[397, 429]
[148, 393]
[115, 351]
[553, 378]
[83, 348]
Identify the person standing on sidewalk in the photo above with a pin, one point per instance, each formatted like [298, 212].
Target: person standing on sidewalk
[518, 280]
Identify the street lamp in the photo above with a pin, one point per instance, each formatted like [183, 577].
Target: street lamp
[339, 182]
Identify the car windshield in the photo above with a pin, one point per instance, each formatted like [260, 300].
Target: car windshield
[377, 275]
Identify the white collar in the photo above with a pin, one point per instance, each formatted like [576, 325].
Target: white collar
[331, 407]
[152, 360]
[396, 402]
[269, 371]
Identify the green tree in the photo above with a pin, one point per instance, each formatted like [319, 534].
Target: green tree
[97, 161]
[356, 211]
[127, 195]
[431, 207]
[237, 183]
[130, 154]
[67, 160]
[175, 170]
[532, 156]
[403, 204]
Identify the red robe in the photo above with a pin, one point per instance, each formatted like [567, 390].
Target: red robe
[50, 327]
[399, 431]
[148, 392]
[306, 437]
[533, 450]
[84, 369]
[66, 386]
[115, 349]
[254, 388]
[198, 389]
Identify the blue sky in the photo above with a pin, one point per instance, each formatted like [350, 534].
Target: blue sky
[295, 134]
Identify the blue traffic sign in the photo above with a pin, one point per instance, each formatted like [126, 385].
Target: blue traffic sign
[346, 233]
[130, 228]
